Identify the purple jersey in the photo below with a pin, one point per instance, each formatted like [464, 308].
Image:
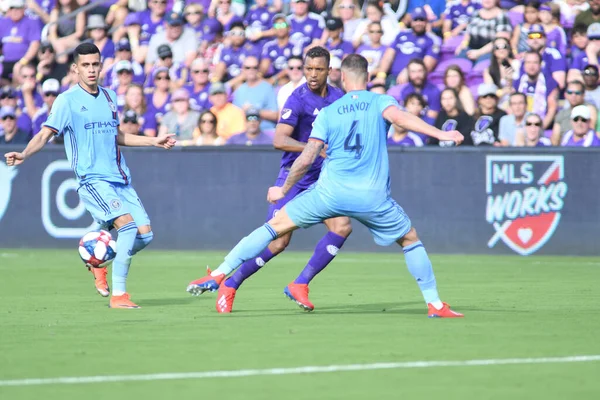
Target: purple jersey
[588, 140]
[300, 111]
[234, 58]
[430, 93]
[17, 36]
[578, 59]
[552, 61]
[199, 100]
[111, 80]
[46, 5]
[108, 51]
[372, 55]
[544, 142]
[410, 140]
[557, 39]
[38, 119]
[158, 112]
[38, 100]
[149, 27]
[408, 46]
[459, 13]
[339, 50]
[259, 18]
[304, 31]
[279, 55]
[528, 89]
[244, 140]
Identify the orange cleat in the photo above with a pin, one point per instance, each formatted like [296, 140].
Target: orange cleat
[298, 293]
[225, 299]
[100, 281]
[122, 301]
[444, 312]
[208, 282]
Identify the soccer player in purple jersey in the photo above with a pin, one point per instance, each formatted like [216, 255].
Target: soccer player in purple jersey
[291, 135]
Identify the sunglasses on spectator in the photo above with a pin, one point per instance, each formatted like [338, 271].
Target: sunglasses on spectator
[51, 94]
[207, 121]
[179, 100]
[197, 71]
[419, 20]
[297, 68]
[163, 77]
[7, 96]
[377, 32]
[578, 119]
[236, 33]
[28, 76]
[280, 25]
[9, 117]
[535, 36]
[500, 46]
[159, 2]
[224, 2]
[590, 72]
[250, 66]
[575, 92]
[192, 13]
[488, 96]
[531, 123]
[129, 121]
[252, 118]
[124, 71]
[346, 6]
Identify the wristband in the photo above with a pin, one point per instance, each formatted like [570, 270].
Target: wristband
[447, 34]
[382, 75]
[23, 61]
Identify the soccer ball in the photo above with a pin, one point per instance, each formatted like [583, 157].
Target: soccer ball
[97, 249]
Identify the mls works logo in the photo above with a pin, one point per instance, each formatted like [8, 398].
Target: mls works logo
[7, 174]
[525, 195]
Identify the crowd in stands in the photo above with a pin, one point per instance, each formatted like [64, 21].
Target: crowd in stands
[217, 72]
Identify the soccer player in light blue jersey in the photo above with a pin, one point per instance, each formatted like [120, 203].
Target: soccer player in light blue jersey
[354, 181]
[86, 116]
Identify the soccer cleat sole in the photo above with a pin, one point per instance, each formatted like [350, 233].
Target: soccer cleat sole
[124, 307]
[287, 294]
[103, 293]
[197, 290]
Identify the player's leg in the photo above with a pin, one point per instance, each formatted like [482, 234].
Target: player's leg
[127, 231]
[339, 229]
[135, 207]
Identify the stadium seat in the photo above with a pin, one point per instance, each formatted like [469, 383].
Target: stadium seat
[515, 18]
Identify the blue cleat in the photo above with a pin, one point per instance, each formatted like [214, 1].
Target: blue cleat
[206, 283]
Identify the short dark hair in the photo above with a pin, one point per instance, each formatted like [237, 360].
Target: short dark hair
[577, 83]
[580, 29]
[539, 56]
[85, 49]
[416, 96]
[533, 4]
[356, 64]
[319, 52]
[519, 94]
[295, 58]
[237, 25]
[417, 61]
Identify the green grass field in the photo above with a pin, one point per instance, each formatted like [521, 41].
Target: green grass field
[368, 310]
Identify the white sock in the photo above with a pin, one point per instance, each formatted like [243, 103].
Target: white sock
[437, 304]
[118, 293]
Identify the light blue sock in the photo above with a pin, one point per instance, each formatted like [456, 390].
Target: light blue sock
[249, 247]
[420, 267]
[120, 267]
[141, 241]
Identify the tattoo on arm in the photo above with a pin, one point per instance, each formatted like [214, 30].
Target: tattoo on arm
[303, 163]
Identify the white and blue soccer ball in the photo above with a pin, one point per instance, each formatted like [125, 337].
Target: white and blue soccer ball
[97, 249]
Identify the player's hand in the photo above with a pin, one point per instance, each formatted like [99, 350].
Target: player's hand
[275, 194]
[14, 158]
[165, 141]
[323, 152]
[453, 136]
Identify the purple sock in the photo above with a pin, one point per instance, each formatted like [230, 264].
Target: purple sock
[325, 251]
[248, 269]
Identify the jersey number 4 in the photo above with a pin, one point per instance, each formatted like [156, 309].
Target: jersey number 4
[353, 136]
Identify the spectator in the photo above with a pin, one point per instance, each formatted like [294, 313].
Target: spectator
[276, 52]
[200, 85]
[519, 36]
[404, 138]
[582, 134]
[159, 101]
[334, 28]
[575, 96]
[256, 93]
[415, 43]
[225, 14]
[177, 71]
[181, 120]
[12, 133]
[181, 39]
[230, 58]
[592, 91]
[487, 23]
[453, 117]
[50, 90]
[259, 19]
[454, 78]
[550, 20]
[136, 101]
[29, 98]
[488, 115]
[123, 53]
[373, 51]
[306, 27]
[230, 118]
[8, 98]
[253, 135]
[514, 123]
[379, 89]
[581, 40]
[417, 83]
[375, 13]
[124, 72]
[335, 73]
[142, 26]
[47, 67]
[456, 17]
[212, 37]
[117, 13]
[39, 12]
[349, 12]
[532, 136]
[20, 37]
[295, 74]
[194, 15]
[98, 33]
[69, 32]
[541, 90]
[591, 15]
[130, 124]
[205, 133]
[503, 70]
[553, 63]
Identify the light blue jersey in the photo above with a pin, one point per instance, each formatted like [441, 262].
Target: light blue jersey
[89, 124]
[355, 174]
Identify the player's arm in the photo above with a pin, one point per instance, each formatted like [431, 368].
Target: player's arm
[36, 144]
[303, 163]
[284, 141]
[413, 123]
[163, 141]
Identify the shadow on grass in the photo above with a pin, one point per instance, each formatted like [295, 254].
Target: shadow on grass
[166, 302]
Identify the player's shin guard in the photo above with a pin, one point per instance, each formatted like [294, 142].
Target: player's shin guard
[325, 252]
[141, 241]
[247, 248]
[420, 267]
[120, 267]
[248, 269]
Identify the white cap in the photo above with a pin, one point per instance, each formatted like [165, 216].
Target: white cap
[16, 3]
[123, 65]
[581, 111]
[486, 89]
[50, 86]
[335, 63]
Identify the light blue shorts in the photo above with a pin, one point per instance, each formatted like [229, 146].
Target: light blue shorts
[387, 223]
[107, 201]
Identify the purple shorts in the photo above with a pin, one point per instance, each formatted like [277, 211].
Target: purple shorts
[306, 182]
